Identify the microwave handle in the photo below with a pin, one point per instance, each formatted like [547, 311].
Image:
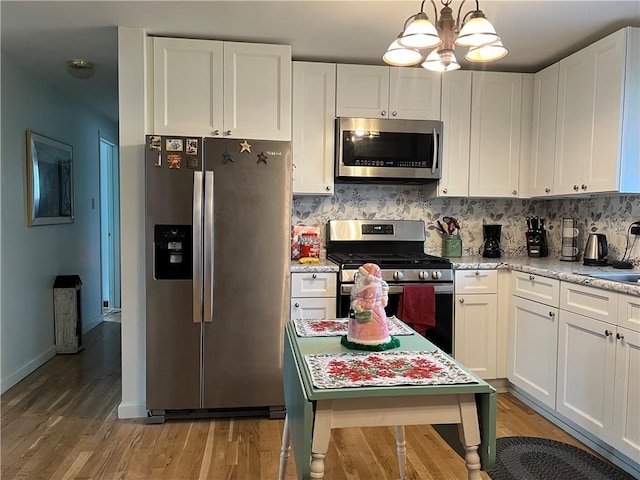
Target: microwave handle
[434, 163]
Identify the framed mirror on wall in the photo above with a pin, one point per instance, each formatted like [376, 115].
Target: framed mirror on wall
[49, 181]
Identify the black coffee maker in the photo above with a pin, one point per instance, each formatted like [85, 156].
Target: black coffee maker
[491, 244]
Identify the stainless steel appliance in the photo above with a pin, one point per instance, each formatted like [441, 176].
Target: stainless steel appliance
[383, 150]
[397, 246]
[491, 242]
[217, 275]
[596, 250]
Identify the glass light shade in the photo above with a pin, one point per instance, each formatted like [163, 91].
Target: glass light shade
[420, 34]
[477, 31]
[400, 56]
[487, 53]
[444, 61]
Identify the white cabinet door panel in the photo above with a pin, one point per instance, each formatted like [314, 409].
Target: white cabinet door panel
[362, 91]
[626, 410]
[313, 308]
[629, 312]
[533, 352]
[586, 362]
[414, 93]
[589, 301]
[535, 287]
[476, 333]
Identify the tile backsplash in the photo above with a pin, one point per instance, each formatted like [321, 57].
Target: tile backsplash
[610, 215]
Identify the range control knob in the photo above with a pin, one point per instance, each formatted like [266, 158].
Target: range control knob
[423, 275]
[398, 275]
[436, 274]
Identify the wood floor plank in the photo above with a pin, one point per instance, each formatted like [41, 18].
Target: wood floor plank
[60, 423]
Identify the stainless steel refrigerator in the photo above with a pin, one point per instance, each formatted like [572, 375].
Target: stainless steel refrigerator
[217, 274]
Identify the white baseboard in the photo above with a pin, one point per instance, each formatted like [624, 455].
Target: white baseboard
[22, 372]
[132, 410]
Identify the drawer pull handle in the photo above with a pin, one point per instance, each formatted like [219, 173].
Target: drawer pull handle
[314, 276]
[477, 273]
[551, 314]
[531, 277]
[297, 305]
[620, 336]
[608, 333]
[461, 300]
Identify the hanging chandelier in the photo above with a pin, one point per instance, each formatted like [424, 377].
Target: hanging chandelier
[473, 31]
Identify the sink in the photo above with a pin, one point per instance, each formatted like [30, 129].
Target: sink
[633, 278]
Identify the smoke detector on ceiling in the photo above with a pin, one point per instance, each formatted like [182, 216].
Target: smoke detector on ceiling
[80, 69]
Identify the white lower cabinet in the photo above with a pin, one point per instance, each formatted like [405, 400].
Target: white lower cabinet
[626, 397]
[534, 343]
[313, 295]
[586, 380]
[476, 321]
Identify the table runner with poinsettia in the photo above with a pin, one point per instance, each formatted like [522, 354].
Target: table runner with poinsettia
[335, 327]
[379, 369]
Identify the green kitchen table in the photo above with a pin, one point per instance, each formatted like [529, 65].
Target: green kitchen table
[463, 414]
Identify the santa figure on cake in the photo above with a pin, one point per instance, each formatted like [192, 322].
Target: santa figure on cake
[368, 325]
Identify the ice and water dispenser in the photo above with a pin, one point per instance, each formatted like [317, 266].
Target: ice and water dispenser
[172, 252]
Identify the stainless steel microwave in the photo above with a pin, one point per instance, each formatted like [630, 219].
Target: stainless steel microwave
[370, 150]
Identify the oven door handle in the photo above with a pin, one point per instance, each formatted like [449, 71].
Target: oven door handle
[396, 289]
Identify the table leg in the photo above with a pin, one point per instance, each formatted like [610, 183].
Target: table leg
[321, 436]
[469, 433]
[285, 449]
[401, 447]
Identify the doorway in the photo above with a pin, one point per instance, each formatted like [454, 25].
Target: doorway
[109, 225]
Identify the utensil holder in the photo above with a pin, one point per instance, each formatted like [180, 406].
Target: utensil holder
[451, 246]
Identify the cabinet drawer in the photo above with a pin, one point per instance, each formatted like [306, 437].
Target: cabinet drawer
[589, 301]
[313, 284]
[313, 307]
[534, 287]
[476, 281]
[629, 312]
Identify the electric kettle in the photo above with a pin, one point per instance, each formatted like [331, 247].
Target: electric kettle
[596, 250]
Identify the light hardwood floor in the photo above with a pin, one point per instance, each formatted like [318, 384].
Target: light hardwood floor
[61, 423]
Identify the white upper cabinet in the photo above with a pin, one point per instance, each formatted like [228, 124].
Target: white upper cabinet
[539, 182]
[456, 119]
[387, 92]
[495, 147]
[187, 87]
[210, 88]
[597, 133]
[314, 111]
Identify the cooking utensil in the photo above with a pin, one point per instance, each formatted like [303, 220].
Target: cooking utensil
[442, 229]
[452, 224]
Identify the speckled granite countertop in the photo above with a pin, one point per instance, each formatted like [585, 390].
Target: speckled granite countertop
[324, 266]
[573, 272]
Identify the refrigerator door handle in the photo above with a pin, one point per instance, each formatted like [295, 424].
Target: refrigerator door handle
[208, 247]
[197, 247]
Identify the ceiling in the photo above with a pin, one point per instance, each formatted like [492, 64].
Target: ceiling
[43, 35]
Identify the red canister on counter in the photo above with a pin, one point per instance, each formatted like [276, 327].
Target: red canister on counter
[309, 245]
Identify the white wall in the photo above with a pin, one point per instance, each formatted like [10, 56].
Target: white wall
[33, 256]
[131, 81]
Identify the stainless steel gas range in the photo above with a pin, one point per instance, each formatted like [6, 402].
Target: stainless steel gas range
[397, 246]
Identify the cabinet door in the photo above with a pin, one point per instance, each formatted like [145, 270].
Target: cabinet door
[495, 134]
[362, 91]
[476, 318]
[533, 349]
[257, 91]
[543, 141]
[456, 117]
[187, 87]
[313, 308]
[311, 284]
[574, 111]
[626, 399]
[314, 111]
[601, 171]
[586, 362]
[414, 93]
